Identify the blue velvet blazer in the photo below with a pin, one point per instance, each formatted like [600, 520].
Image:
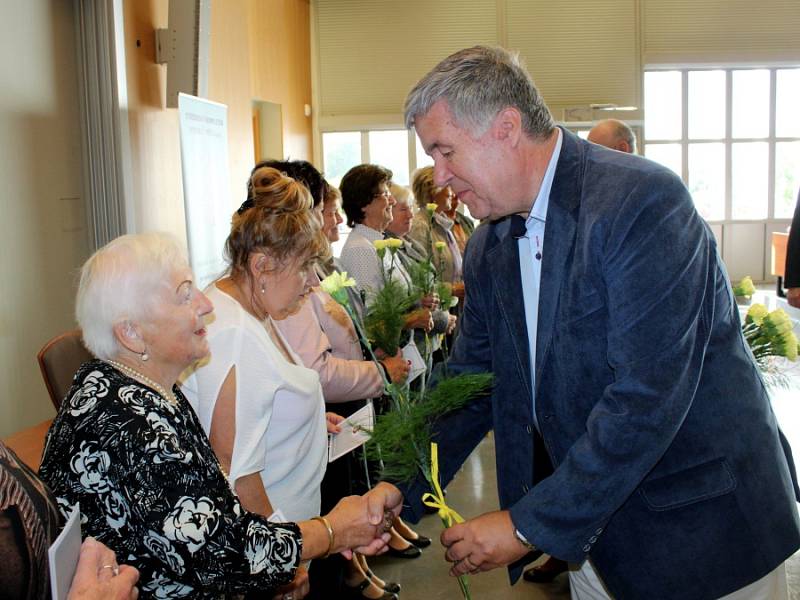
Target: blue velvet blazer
[670, 471]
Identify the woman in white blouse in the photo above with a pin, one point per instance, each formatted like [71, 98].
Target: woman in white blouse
[262, 408]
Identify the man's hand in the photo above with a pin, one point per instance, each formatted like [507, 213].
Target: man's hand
[793, 296]
[483, 543]
[98, 577]
[383, 497]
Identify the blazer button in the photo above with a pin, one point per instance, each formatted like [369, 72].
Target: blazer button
[525, 489]
[529, 429]
[547, 417]
[586, 548]
[599, 531]
[592, 539]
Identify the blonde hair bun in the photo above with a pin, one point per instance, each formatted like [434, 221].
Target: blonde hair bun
[276, 191]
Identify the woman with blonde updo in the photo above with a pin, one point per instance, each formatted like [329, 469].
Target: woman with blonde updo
[439, 228]
[262, 408]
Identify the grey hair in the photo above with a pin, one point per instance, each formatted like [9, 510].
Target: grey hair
[477, 83]
[121, 282]
[401, 193]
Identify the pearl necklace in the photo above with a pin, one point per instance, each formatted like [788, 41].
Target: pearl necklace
[169, 397]
[131, 372]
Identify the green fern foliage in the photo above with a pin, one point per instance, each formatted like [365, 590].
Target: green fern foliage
[385, 316]
[401, 438]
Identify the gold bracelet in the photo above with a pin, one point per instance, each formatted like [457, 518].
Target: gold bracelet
[329, 529]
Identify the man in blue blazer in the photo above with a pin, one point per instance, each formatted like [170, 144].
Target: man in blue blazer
[596, 296]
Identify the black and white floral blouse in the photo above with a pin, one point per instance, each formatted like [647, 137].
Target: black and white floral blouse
[150, 488]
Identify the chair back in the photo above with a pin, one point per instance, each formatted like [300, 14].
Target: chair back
[59, 360]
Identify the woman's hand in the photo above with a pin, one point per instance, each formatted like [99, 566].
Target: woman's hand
[430, 301]
[332, 420]
[451, 324]
[396, 367]
[98, 577]
[362, 523]
[299, 587]
[419, 319]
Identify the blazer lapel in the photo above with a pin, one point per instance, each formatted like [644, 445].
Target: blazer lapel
[559, 240]
[504, 258]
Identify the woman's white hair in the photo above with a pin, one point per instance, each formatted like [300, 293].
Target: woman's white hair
[122, 282]
[401, 193]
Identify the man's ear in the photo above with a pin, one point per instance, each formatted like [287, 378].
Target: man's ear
[507, 126]
[128, 336]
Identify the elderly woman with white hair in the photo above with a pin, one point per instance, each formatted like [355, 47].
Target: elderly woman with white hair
[128, 447]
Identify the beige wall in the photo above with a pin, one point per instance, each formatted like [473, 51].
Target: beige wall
[259, 51]
[579, 52]
[43, 233]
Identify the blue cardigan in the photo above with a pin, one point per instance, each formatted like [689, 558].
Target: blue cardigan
[671, 473]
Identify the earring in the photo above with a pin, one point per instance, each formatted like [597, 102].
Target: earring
[263, 289]
[144, 355]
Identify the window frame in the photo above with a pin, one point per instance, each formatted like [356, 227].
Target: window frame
[411, 144]
[728, 140]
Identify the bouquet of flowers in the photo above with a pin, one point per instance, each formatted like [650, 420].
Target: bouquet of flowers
[770, 337]
[744, 287]
[401, 438]
[744, 290]
[385, 316]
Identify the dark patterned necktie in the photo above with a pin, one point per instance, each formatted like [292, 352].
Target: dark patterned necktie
[518, 228]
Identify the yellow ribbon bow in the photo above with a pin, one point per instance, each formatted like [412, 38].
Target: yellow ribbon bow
[447, 514]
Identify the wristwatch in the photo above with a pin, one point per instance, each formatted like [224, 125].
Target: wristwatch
[524, 541]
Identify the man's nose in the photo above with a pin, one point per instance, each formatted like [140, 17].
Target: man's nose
[441, 172]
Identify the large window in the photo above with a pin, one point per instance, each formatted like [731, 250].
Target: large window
[395, 149]
[733, 135]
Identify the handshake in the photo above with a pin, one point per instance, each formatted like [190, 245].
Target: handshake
[356, 523]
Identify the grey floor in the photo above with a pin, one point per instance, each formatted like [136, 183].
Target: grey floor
[473, 492]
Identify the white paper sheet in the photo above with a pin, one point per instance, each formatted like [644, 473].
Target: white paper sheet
[411, 353]
[63, 555]
[354, 432]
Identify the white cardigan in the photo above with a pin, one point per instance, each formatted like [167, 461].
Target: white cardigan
[280, 415]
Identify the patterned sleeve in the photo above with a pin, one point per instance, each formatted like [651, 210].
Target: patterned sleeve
[196, 541]
[150, 488]
[362, 264]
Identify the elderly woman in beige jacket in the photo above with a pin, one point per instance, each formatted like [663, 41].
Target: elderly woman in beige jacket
[427, 231]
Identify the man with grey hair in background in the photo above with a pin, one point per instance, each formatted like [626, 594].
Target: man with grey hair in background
[633, 434]
[614, 134]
